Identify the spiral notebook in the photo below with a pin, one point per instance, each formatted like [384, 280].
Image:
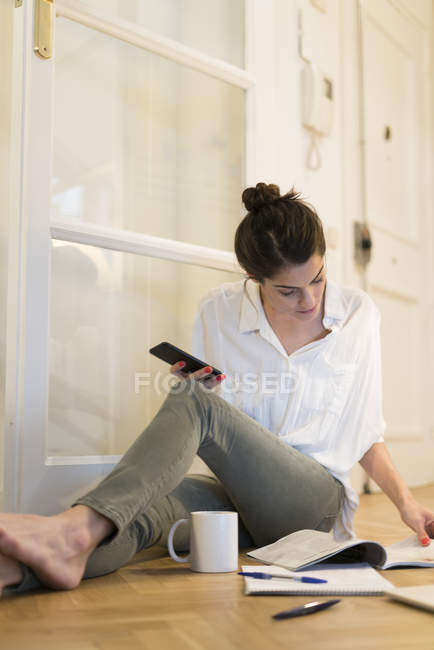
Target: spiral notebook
[342, 580]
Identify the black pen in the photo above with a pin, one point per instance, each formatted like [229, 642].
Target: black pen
[308, 608]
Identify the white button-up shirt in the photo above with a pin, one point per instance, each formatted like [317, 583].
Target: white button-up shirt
[324, 399]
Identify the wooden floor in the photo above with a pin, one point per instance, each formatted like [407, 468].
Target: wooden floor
[156, 604]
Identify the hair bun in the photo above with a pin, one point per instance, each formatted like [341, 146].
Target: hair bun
[256, 197]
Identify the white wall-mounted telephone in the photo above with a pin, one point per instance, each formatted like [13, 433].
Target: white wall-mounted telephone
[317, 100]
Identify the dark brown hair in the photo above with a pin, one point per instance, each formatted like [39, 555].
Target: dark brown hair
[277, 231]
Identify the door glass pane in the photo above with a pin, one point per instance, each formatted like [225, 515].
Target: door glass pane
[215, 27]
[143, 143]
[107, 310]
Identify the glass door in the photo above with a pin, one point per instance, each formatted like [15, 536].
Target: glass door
[133, 159]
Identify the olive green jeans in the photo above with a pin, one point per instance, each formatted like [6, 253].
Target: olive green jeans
[274, 488]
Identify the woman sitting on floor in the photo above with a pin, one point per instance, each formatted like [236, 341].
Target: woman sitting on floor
[300, 406]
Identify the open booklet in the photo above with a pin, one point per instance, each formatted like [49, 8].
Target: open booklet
[307, 547]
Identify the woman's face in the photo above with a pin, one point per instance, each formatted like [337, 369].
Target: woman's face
[296, 290]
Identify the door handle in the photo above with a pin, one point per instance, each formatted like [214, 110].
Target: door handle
[362, 243]
[43, 34]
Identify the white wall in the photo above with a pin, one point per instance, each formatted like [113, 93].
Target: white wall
[330, 40]
[321, 36]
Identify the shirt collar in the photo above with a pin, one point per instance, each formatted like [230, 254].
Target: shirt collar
[251, 308]
[252, 313]
[334, 307]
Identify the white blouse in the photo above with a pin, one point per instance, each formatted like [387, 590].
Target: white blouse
[324, 399]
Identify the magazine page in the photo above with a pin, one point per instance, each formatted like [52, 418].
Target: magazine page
[409, 552]
[306, 547]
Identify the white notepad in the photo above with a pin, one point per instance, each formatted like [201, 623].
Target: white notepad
[357, 580]
[420, 596]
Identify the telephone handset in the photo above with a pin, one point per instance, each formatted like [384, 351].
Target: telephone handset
[317, 100]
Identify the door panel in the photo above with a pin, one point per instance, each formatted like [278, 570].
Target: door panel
[107, 309]
[215, 27]
[395, 117]
[392, 121]
[132, 131]
[395, 266]
[401, 347]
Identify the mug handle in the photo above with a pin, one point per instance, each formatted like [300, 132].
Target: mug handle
[172, 552]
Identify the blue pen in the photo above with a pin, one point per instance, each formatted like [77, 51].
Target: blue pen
[269, 576]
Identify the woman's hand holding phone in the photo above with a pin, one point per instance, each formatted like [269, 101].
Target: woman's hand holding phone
[204, 375]
[183, 364]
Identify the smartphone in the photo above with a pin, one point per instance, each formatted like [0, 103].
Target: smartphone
[171, 354]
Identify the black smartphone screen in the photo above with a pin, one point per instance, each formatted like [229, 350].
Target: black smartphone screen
[171, 354]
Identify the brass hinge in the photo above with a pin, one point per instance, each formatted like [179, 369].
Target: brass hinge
[43, 36]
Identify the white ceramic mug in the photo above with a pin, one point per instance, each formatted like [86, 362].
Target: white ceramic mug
[213, 541]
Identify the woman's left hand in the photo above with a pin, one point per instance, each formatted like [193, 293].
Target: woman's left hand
[419, 519]
[378, 464]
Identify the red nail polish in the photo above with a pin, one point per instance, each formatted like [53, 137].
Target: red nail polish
[220, 377]
[208, 369]
[181, 364]
[425, 541]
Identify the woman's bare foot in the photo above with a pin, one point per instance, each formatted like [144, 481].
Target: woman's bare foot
[10, 572]
[55, 548]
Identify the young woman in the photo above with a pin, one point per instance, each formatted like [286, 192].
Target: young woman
[300, 405]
